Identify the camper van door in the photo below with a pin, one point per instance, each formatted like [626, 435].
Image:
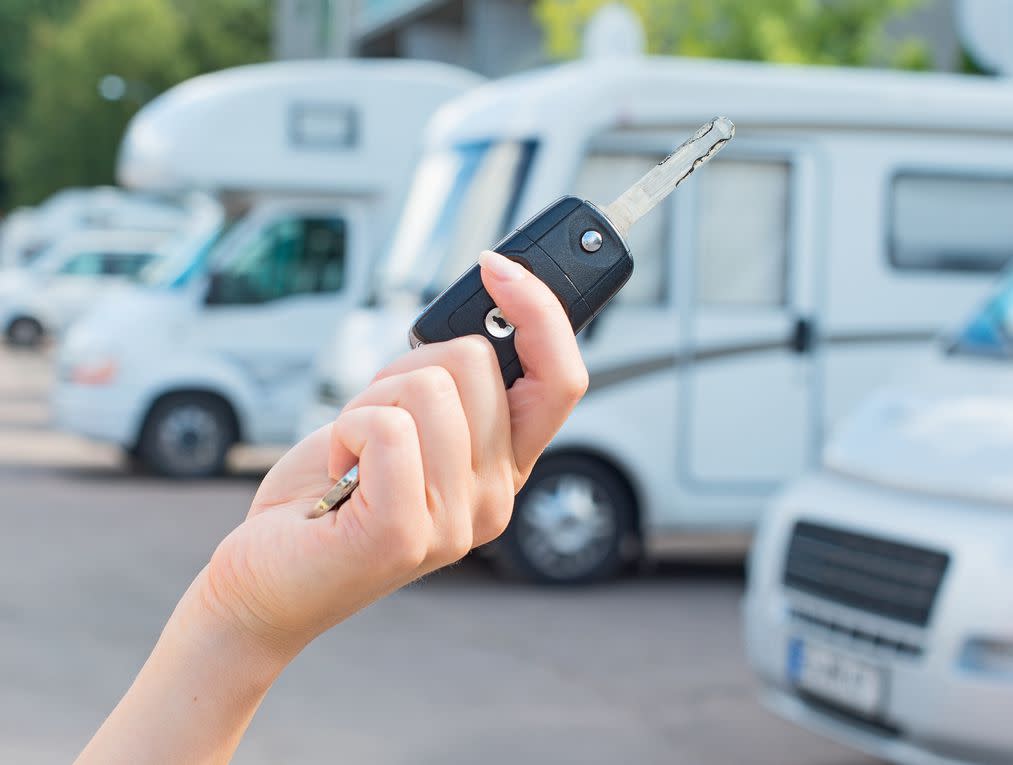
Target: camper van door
[747, 409]
[272, 300]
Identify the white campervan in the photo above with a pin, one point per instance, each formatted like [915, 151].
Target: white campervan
[879, 610]
[309, 161]
[79, 271]
[27, 231]
[854, 214]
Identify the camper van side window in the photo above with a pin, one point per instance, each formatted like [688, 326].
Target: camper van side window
[83, 264]
[745, 263]
[602, 178]
[125, 263]
[292, 256]
[944, 222]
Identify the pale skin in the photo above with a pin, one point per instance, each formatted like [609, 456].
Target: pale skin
[442, 449]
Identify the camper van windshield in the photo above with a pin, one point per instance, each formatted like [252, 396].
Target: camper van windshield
[460, 202]
[186, 254]
[990, 332]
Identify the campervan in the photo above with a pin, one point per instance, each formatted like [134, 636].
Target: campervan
[308, 162]
[878, 608]
[68, 278]
[855, 213]
[27, 231]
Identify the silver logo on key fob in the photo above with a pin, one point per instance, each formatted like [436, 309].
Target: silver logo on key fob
[497, 325]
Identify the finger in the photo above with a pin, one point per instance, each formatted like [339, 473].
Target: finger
[430, 396]
[471, 362]
[386, 514]
[298, 477]
[554, 374]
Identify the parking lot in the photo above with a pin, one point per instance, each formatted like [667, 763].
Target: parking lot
[458, 669]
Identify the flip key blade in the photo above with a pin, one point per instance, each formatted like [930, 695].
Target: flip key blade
[661, 180]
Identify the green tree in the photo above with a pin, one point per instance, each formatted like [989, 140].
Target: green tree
[837, 32]
[66, 134]
[16, 20]
[225, 33]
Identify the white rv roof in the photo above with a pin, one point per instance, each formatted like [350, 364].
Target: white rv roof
[111, 239]
[334, 126]
[645, 91]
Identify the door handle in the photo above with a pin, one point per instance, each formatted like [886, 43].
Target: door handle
[802, 335]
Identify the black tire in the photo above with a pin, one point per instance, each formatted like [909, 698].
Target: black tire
[187, 435]
[585, 541]
[25, 332]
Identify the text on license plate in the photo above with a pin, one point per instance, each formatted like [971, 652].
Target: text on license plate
[835, 677]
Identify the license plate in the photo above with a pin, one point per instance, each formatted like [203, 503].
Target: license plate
[837, 678]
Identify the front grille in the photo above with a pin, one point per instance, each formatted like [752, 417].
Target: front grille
[875, 641]
[875, 575]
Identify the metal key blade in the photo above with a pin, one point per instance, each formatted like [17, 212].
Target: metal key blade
[661, 180]
[338, 494]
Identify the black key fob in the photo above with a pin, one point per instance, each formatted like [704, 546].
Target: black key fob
[570, 245]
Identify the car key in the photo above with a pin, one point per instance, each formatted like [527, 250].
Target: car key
[577, 249]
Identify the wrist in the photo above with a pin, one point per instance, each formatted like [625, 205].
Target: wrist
[206, 629]
[196, 693]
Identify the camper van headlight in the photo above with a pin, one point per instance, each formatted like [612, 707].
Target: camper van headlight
[101, 371]
[93, 369]
[86, 361]
[989, 656]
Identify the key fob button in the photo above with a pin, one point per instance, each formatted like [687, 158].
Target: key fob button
[470, 319]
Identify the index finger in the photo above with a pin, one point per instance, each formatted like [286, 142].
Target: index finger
[554, 378]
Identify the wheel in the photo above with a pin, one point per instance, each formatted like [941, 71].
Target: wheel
[25, 332]
[187, 435]
[570, 523]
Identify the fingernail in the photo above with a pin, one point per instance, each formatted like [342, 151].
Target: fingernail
[502, 268]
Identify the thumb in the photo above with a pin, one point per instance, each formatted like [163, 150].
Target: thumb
[554, 374]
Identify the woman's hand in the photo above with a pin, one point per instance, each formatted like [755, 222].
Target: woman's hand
[442, 449]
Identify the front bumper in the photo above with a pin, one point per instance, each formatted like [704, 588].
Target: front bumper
[937, 711]
[100, 412]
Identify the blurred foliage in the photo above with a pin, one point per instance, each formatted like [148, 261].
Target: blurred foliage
[65, 133]
[969, 64]
[222, 33]
[17, 18]
[833, 32]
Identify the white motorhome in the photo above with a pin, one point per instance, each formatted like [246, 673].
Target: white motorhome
[309, 161]
[854, 214]
[79, 271]
[26, 232]
[878, 610]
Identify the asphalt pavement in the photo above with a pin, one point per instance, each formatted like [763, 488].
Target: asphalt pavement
[461, 668]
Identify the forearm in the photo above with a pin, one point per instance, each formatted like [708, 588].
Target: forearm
[194, 697]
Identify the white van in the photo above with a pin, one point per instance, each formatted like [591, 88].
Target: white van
[854, 214]
[879, 609]
[76, 273]
[309, 161]
[27, 231]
